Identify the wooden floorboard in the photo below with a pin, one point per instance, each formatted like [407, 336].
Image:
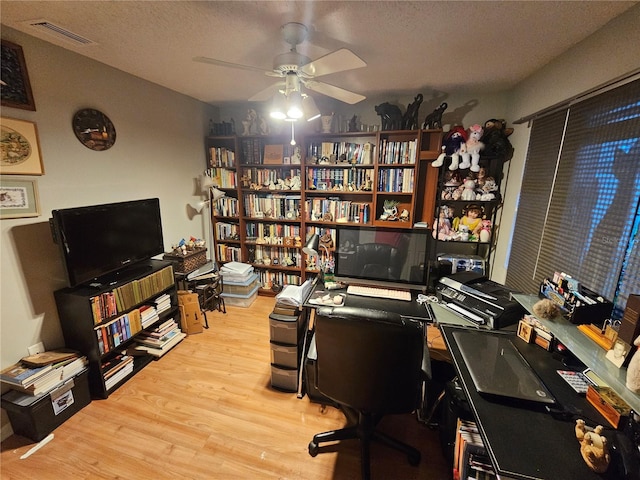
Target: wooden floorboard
[206, 410]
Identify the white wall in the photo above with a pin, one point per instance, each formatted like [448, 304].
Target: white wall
[610, 53]
[159, 151]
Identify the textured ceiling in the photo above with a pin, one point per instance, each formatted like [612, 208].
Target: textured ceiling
[428, 46]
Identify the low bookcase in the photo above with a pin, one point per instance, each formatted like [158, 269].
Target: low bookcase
[102, 323]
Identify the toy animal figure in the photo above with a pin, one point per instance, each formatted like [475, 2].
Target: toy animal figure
[485, 231]
[410, 118]
[495, 139]
[633, 370]
[471, 155]
[434, 119]
[453, 143]
[390, 116]
[593, 446]
[469, 193]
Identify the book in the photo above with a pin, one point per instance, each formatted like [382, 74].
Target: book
[24, 375]
[158, 352]
[48, 357]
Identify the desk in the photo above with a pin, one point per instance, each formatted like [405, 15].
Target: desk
[527, 442]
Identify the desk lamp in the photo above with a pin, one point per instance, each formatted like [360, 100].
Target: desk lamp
[311, 249]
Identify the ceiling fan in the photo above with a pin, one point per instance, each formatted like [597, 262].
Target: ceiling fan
[295, 69]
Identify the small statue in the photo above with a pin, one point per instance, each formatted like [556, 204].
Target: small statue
[390, 116]
[434, 119]
[353, 124]
[410, 118]
[593, 446]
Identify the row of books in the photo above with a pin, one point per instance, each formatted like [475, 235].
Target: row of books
[222, 157]
[358, 153]
[228, 253]
[265, 176]
[269, 278]
[117, 331]
[227, 231]
[37, 378]
[223, 178]
[396, 180]
[339, 210]
[271, 206]
[277, 230]
[394, 153]
[226, 207]
[327, 178]
[108, 304]
[470, 458]
[252, 150]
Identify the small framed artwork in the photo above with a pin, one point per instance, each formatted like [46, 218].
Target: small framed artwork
[16, 89]
[19, 198]
[525, 331]
[20, 148]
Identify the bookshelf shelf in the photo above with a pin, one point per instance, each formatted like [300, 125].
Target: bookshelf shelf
[345, 179]
[103, 323]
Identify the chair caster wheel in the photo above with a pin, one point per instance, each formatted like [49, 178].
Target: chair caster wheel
[313, 449]
[414, 460]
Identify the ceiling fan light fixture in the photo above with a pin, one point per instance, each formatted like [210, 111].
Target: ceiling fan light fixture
[310, 109]
[278, 107]
[294, 109]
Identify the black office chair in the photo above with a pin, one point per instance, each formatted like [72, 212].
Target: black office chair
[371, 363]
[380, 260]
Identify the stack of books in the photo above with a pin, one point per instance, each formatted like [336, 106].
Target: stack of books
[40, 373]
[116, 369]
[163, 302]
[159, 340]
[148, 315]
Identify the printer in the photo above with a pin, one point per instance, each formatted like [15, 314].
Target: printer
[479, 300]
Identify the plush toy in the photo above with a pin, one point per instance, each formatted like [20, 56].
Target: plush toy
[495, 139]
[487, 192]
[485, 231]
[633, 370]
[469, 193]
[471, 153]
[453, 143]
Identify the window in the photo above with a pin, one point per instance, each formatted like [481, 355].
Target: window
[578, 210]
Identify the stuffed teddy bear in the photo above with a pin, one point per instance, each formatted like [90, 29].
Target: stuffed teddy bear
[473, 145]
[495, 139]
[468, 193]
[453, 143]
[633, 370]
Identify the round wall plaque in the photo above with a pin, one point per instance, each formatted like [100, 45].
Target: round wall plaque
[94, 129]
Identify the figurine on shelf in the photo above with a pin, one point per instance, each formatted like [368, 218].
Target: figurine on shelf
[488, 189]
[485, 231]
[434, 119]
[469, 187]
[390, 210]
[472, 219]
[473, 146]
[442, 226]
[452, 145]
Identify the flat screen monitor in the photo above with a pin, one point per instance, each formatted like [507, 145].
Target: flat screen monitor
[99, 240]
[382, 256]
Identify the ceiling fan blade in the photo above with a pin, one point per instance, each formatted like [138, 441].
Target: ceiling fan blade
[338, 61]
[267, 93]
[336, 92]
[222, 63]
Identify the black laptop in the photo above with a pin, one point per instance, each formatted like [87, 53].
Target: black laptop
[498, 368]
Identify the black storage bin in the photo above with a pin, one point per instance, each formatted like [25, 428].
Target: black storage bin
[38, 419]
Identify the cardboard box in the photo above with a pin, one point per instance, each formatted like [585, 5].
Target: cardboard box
[191, 316]
[35, 417]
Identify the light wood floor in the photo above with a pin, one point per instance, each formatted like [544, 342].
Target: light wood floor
[206, 410]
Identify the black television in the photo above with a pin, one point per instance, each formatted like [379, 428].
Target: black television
[382, 257]
[100, 241]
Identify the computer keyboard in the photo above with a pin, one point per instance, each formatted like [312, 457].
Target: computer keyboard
[378, 292]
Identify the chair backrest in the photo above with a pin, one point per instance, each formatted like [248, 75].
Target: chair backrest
[380, 260]
[370, 360]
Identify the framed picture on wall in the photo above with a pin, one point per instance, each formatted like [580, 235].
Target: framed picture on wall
[16, 89]
[20, 148]
[19, 198]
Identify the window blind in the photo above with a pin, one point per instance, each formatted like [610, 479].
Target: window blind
[578, 206]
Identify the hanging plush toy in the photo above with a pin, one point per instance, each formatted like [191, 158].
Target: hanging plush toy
[471, 154]
[452, 144]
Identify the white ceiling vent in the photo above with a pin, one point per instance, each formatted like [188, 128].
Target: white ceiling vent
[44, 26]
